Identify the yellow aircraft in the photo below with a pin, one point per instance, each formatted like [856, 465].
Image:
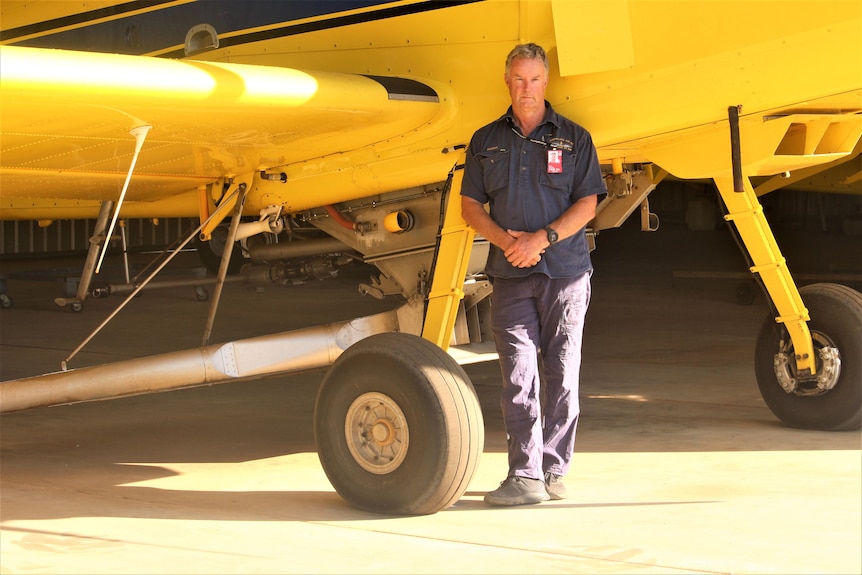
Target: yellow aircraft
[314, 131]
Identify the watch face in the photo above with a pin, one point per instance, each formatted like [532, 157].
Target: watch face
[552, 235]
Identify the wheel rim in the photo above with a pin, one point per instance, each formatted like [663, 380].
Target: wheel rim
[377, 433]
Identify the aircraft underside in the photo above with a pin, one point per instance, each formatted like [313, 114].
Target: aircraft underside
[368, 169]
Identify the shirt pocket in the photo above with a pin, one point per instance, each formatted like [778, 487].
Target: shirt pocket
[495, 170]
[561, 181]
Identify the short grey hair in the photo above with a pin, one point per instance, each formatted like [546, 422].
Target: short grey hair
[530, 51]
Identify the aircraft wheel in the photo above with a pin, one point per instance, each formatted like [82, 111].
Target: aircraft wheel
[398, 426]
[100, 291]
[210, 252]
[834, 401]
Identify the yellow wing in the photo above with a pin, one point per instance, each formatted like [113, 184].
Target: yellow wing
[66, 119]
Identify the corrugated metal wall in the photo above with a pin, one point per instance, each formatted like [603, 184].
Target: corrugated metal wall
[65, 237]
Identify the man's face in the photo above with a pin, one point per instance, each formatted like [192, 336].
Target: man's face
[527, 81]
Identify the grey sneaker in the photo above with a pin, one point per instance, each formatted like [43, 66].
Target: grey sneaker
[555, 486]
[518, 491]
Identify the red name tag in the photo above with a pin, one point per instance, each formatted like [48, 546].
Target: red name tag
[555, 161]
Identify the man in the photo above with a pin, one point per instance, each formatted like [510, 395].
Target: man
[540, 175]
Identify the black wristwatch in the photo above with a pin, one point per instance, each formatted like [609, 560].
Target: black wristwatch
[552, 235]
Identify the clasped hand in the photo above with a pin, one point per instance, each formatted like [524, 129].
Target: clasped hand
[527, 249]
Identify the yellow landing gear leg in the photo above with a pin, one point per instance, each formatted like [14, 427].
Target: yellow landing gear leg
[413, 431]
[747, 214]
[450, 266]
[808, 367]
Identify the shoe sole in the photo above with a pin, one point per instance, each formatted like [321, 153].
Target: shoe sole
[525, 499]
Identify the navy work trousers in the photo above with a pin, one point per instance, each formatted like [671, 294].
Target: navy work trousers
[532, 314]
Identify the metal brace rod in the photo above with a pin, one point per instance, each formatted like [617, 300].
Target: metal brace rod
[140, 134]
[225, 261]
[96, 240]
[65, 363]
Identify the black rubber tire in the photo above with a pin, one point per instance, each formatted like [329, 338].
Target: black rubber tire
[745, 292]
[440, 410]
[836, 313]
[210, 252]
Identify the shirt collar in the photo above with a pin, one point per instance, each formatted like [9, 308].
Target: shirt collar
[551, 117]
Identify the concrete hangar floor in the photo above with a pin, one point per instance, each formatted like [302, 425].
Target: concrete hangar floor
[679, 466]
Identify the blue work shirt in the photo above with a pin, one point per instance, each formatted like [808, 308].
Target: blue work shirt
[510, 171]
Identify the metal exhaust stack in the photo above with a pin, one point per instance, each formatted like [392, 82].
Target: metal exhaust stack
[281, 353]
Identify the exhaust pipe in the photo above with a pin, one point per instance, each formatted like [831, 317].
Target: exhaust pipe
[298, 249]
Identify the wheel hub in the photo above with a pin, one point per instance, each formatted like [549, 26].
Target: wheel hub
[828, 368]
[376, 432]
